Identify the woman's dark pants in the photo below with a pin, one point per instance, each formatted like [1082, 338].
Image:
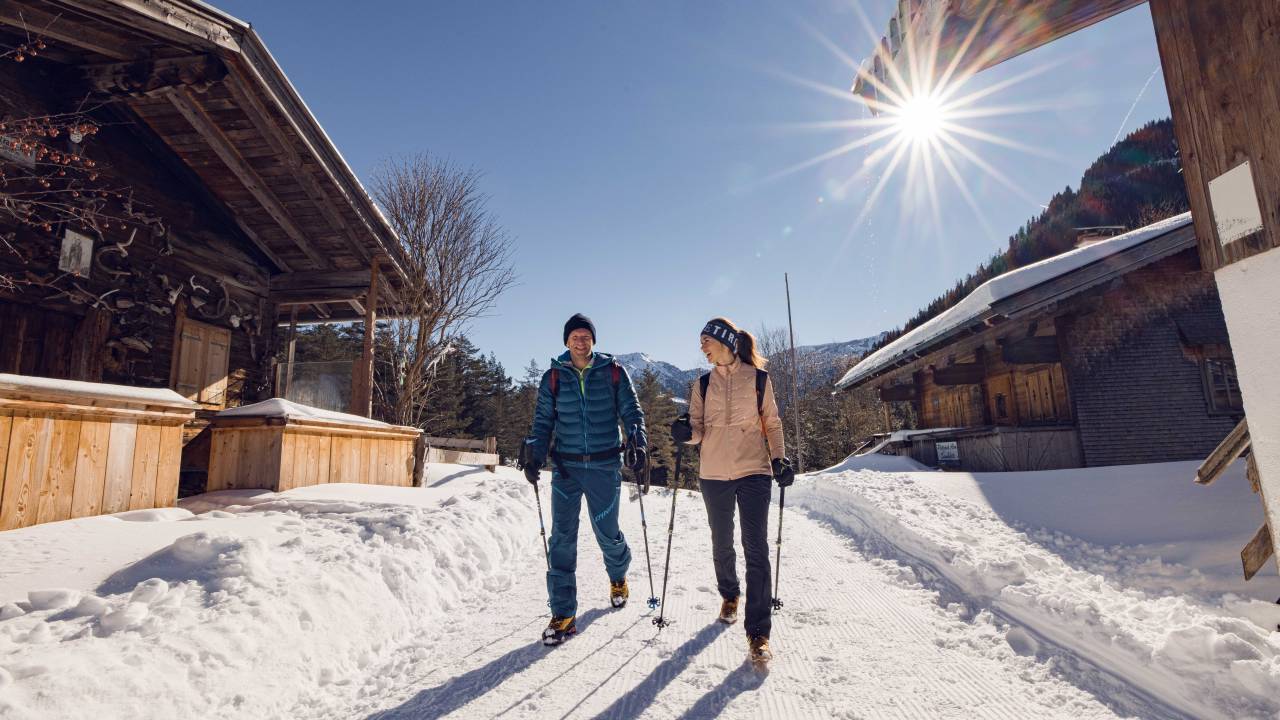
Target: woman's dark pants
[751, 495]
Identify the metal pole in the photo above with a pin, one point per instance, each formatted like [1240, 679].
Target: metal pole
[795, 383]
[542, 526]
[644, 528]
[777, 564]
[660, 621]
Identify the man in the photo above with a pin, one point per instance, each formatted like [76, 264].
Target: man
[582, 399]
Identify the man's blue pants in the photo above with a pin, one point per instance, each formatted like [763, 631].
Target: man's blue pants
[603, 490]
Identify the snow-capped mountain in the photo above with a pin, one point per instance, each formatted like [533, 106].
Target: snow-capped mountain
[673, 379]
[826, 360]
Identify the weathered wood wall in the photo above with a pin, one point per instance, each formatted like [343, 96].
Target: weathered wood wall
[62, 461]
[1221, 63]
[190, 260]
[267, 454]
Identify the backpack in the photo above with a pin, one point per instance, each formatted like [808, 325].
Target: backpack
[762, 377]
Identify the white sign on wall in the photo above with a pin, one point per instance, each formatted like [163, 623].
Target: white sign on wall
[948, 453]
[1234, 202]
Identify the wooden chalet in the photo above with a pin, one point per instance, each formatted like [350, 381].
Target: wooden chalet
[167, 204]
[1221, 64]
[1113, 353]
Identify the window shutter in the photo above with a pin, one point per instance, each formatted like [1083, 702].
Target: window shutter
[204, 354]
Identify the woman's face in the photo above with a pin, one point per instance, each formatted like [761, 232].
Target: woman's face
[716, 352]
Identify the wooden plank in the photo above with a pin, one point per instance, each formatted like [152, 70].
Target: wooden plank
[25, 467]
[59, 486]
[115, 494]
[224, 460]
[168, 469]
[1251, 474]
[6, 425]
[91, 468]
[146, 463]
[288, 476]
[959, 374]
[1031, 351]
[1255, 553]
[217, 356]
[1231, 447]
[39, 23]
[457, 443]
[324, 459]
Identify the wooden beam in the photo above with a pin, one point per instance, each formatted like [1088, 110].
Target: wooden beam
[960, 374]
[362, 371]
[1231, 447]
[1251, 473]
[320, 279]
[186, 104]
[293, 346]
[355, 305]
[1031, 351]
[148, 76]
[275, 137]
[182, 23]
[897, 393]
[323, 295]
[1255, 554]
[64, 29]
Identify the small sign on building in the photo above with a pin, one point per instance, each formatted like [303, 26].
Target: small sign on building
[76, 256]
[948, 452]
[1234, 202]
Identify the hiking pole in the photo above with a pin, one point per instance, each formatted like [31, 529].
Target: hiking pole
[642, 485]
[542, 526]
[644, 527]
[671, 528]
[777, 563]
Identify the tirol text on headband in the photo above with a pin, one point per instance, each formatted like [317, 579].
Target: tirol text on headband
[723, 333]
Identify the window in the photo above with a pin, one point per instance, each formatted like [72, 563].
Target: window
[202, 354]
[1002, 407]
[1221, 386]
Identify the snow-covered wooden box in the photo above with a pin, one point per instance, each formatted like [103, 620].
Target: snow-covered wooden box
[72, 449]
[280, 445]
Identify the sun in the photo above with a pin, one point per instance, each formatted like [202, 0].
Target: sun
[920, 118]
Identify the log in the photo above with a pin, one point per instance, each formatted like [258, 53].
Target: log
[1031, 351]
[960, 374]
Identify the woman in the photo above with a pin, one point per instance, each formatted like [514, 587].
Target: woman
[733, 415]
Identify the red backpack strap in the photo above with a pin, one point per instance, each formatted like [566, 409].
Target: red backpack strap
[616, 371]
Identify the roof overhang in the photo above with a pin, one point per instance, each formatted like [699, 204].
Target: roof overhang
[961, 37]
[206, 86]
[1132, 251]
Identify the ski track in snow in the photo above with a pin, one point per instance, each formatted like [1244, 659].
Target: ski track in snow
[859, 637]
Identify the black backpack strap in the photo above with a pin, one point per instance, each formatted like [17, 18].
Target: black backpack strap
[703, 383]
[762, 377]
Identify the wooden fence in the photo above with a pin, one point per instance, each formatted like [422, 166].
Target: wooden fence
[459, 452]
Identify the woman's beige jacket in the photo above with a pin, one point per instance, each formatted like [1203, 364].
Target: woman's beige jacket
[731, 431]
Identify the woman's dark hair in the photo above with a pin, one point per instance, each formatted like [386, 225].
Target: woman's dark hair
[747, 352]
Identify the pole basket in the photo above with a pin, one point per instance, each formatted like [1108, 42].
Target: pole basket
[654, 602]
[777, 604]
[661, 622]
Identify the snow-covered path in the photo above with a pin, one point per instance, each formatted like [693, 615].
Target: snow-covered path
[858, 638]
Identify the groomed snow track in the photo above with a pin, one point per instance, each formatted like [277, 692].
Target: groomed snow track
[859, 637]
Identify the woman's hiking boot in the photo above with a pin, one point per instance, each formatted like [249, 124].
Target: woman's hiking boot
[618, 592]
[729, 611]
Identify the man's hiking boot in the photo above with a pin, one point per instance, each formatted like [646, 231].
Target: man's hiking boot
[758, 649]
[559, 630]
[729, 611]
[618, 592]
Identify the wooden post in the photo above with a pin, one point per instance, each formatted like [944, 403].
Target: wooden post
[293, 346]
[362, 373]
[491, 447]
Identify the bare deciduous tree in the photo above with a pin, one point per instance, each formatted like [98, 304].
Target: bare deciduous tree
[458, 264]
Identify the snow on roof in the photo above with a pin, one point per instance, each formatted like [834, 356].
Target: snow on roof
[103, 391]
[976, 303]
[279, 407]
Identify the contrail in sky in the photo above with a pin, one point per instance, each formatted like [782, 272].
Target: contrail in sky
[1135, 104]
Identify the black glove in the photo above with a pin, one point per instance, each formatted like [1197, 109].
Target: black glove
[681, 429]
[526, 463]
[636, 459]
[531, 474]
[783, 473]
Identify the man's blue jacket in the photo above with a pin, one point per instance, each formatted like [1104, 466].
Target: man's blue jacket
[587, 411]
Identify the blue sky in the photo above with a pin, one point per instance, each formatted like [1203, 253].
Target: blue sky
[629, 148]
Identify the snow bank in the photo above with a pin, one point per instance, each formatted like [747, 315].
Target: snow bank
[251, 608]
[980, 540]
[281, 408]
